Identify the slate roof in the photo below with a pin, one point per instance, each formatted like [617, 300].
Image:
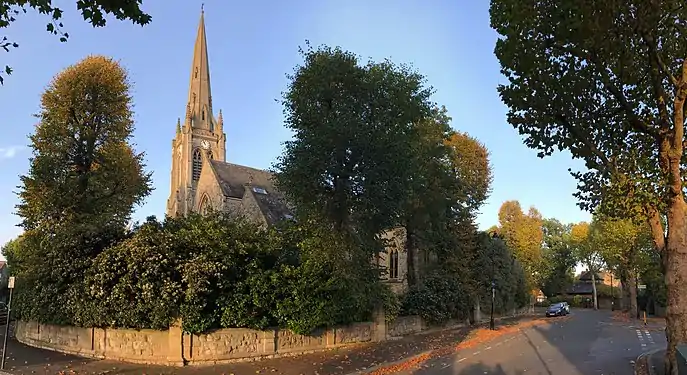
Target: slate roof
[234, 179]
[587, 276]
[272, 207]
[581, 288]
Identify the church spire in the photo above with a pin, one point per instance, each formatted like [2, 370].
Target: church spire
[199, 93]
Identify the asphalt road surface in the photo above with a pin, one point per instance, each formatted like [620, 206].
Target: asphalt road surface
[587, 342]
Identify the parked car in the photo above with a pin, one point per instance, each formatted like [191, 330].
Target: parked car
[558, 309]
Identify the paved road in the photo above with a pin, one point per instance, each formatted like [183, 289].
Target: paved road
[586, 343]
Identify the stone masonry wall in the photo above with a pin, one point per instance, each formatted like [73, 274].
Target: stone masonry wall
[173, 347]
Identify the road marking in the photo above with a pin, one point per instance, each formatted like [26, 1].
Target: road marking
[461, 360]
[487, 348]
[477, 352]
[649, 337]
[641, 338]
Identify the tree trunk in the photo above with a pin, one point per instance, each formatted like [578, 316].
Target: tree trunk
[621, 294]
[632, 291]
[676, 277]
[594, 299]
[411, 257]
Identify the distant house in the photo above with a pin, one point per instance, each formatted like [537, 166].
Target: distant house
[582, 287]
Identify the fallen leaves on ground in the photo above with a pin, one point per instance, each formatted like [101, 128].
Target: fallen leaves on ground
[477, 337]
[624, 317]
[620, 316]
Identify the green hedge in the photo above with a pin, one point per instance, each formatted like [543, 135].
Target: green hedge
[212, 272]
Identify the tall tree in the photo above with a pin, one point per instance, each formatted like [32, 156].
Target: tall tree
[558, 258]
[470, 167]
[573, 68]
[581, 240]
[93, 11]
[451, 180]
[84, 178]
[354, 126]
[524, 235]
[431, 194]
[622, 244]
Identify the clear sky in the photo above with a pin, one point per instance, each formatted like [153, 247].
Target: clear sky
[252, 45]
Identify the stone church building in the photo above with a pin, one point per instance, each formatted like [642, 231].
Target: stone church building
[202, 179]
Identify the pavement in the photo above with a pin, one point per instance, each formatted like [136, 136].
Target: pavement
[651, 362]
[584, 343]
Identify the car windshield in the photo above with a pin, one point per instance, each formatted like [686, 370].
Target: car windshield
[556, 306]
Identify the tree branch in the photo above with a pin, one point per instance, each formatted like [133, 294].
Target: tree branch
[635, 122]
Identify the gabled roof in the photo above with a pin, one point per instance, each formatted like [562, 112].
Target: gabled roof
[233, 178]
[581, 288]
[272, 206]
[587, 276]
[238, 180]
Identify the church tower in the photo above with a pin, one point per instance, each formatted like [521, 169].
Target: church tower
[200, 133]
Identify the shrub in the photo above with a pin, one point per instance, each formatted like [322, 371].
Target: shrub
[134, 284]
[436, 299]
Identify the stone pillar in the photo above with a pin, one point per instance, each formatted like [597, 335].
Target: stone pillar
[379, 328]
[269, 342]
[478, 313]
[175, 351]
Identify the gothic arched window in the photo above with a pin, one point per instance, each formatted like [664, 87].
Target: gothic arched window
[205, 205]
[393, 264]
[197, 164]
[202, 115]
[210, 155]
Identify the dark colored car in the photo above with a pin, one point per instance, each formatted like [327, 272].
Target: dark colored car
[557, 309]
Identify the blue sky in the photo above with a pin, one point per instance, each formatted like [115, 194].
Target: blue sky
[252, 45]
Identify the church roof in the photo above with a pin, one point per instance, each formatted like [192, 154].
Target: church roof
[235, 179]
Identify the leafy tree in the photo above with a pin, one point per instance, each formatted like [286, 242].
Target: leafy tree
[93, 11]
[582, 240]
[431, 192]
[451, 180]
[558, 258]
[621, 243]
[470, 168]
[523, 234]
[354, 125]
[83, 183]
[608, 82]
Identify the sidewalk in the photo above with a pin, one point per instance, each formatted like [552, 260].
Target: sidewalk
[27, 360]
[651, 363]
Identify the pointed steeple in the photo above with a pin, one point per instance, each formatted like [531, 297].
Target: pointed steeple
[199, 93]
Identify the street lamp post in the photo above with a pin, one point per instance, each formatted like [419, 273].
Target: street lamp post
[493, 294]
[493, 284]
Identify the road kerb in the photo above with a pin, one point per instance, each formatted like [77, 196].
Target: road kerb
[647, 356]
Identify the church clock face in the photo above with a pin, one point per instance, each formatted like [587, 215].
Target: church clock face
[205, 144]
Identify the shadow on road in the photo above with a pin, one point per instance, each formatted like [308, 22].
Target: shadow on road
[482, 369]
[585, 342]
